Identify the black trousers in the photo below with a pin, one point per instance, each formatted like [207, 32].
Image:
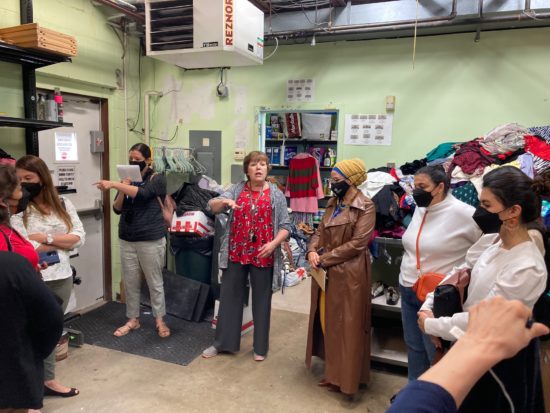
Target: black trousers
[521, 377]
[230, 315]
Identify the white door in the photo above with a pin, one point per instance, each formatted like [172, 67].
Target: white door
[73, 163]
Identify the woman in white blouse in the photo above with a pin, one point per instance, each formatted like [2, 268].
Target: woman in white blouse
[50, 223]
[514, 268]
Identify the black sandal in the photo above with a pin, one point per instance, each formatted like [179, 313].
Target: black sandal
[51, 392]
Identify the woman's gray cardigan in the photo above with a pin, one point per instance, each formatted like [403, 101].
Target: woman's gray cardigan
[281, 220]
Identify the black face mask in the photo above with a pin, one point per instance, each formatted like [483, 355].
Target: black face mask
[142, 164]
[339, 188]
[488, 222]
[24, 201]
[422, 198]
[33, 189]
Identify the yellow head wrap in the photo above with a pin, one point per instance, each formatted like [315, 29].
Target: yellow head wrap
[352, 169]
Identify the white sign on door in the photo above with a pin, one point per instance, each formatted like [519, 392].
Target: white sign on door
[66, 149]
[66, 176]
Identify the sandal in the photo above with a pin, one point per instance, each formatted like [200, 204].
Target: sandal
[257, 357]
[126, 328]
[71, 393]
[163, 330]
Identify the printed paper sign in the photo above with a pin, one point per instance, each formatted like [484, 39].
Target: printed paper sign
[300, 90]
[368, 129]
[66, 176]
[66, 148]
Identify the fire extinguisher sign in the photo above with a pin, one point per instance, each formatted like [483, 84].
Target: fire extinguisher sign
[228, 19]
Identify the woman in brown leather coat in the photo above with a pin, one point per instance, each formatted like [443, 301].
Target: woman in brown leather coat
[339, 246]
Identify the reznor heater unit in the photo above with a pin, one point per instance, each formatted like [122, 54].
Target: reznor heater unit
[205, 33]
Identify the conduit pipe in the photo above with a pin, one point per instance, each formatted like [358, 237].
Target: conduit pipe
[366, 27]
[432, 22]
[134, 15]
[146, 96]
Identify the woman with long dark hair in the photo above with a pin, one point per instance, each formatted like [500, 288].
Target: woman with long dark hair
[51, 224]
[142, 234]
[514, 268]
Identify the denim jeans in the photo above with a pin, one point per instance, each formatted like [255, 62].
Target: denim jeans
[420, 350]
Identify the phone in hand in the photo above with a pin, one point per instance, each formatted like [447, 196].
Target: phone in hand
[49, 257]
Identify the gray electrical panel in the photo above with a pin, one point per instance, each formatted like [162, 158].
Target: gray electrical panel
[207, 146]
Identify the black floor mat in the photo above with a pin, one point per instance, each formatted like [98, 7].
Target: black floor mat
[186, 342]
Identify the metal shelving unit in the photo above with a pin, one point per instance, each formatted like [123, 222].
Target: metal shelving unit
[30, 60]
[387, 343]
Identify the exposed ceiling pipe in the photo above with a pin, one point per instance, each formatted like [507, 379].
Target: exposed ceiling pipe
[433, 22]
[478, 30]
[359, 28]
[126, 11]
[146, 96]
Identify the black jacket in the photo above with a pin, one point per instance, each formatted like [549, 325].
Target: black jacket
[31, 322]
[141, 217]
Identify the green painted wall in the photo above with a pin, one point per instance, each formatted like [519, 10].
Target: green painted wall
[457, 90]
[91, 73]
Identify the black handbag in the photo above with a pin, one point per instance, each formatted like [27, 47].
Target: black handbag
[450, 295]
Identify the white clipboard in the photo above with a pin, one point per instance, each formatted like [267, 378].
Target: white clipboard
[320, 276]
[129, 171]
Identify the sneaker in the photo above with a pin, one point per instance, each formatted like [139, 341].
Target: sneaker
[377, 289]
[210, 352]
[392, 296]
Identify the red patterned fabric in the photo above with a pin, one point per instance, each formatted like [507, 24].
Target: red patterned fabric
[242, 249]
[537, 147]
[302, 177]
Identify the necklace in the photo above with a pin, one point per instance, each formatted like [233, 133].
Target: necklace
[253, 212]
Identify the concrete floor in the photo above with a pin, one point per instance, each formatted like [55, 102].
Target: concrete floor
[111, 381]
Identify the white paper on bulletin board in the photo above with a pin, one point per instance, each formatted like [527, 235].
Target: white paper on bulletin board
[300, 90]
[66, 149]
[364, 129]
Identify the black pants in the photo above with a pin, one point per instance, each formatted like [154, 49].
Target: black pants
[521, 377]
[230, 315]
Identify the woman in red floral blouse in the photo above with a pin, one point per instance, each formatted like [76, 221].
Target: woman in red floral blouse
[258, 223]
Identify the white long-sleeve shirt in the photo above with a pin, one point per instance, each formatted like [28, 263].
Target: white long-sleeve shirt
[51, 224]
[448, 232]
[515, 274]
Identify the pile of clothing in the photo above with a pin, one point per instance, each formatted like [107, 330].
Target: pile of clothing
[465, 162]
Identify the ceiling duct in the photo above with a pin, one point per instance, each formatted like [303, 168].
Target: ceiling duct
[390, 19]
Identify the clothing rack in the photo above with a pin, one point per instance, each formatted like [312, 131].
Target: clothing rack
[177, 160]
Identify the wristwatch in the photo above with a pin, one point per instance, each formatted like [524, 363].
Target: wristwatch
[49, 239]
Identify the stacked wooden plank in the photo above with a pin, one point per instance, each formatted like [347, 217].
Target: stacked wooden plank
[33, 36]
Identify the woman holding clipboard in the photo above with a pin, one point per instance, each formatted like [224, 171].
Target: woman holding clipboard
[142, 234]
[339, 321]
